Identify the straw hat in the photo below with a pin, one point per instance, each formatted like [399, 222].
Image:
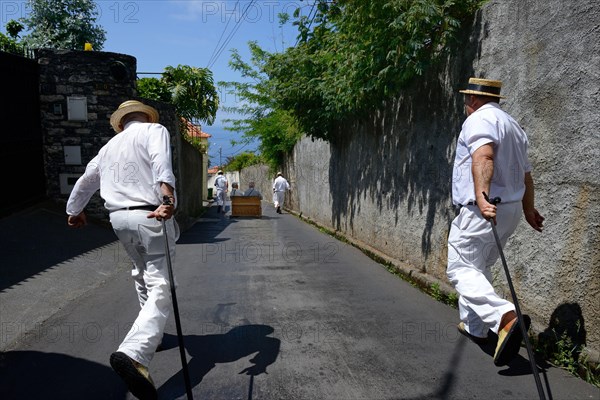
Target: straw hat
[128, 107]
[279, 174]
[483, 87]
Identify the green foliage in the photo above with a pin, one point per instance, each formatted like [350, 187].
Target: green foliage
[154, 89]
[350, 57]
[193, 92]
[452, 299]
[358, 54]
[198, 143]
[10, 45]
[13, 28]
[241, 161]
[63, 24]
[436, 292]
[275, 128]
[190, 89]
[562, 352]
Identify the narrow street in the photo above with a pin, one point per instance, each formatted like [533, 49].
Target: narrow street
[271, 308]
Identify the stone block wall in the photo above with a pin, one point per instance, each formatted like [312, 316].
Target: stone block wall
[104, 80]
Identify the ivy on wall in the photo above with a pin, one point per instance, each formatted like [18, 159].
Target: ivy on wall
[351, 55]
[358, 53]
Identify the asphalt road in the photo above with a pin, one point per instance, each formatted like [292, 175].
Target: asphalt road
[271, 308]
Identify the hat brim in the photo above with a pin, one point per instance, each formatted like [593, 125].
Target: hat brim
[481, 93]
[117, 116]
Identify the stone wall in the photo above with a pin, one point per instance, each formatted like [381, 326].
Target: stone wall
[386, 182]
[98, 82]
[103, 80]
[190, 186]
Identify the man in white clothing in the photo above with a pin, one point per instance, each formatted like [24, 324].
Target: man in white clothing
[491, 158]
[280, 185]
[221, 186]
[133, 172]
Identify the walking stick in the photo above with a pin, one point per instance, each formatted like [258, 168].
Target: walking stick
[186, 374]
[534, 368]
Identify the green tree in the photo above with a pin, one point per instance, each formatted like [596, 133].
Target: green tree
[353, 54]
[13, 28]
[10, 43]
[261, 116]
[190, 89]
[62, 24]
[241, 161]
[193, 92]
[154, 89]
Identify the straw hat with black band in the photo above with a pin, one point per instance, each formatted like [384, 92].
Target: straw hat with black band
[128, 107]
[483, 87]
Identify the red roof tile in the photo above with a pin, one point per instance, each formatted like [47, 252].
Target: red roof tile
[195, 130]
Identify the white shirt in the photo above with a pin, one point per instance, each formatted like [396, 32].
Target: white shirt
[281, 184]
[128, 170]
[490, 124]
[221, 182]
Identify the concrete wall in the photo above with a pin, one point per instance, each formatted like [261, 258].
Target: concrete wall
[190, 185]
[262, 178]
[386, 181]
[231, 177]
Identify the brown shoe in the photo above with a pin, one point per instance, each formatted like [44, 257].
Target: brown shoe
[477, 339]
[509, 339]
[135, 375]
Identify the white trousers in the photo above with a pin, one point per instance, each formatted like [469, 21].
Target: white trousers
[278, 198]
[472, 251]
[143, 240]
[220, 194]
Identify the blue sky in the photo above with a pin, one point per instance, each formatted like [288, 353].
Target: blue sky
[190, 32]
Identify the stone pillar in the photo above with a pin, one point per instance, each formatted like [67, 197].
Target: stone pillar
[79, 90]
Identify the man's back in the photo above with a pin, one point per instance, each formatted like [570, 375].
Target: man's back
[280, 184]
[491, 125]
[131, 165]
[221, 182]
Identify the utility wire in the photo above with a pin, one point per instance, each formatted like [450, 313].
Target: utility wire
[223, 33]
[311, 21]
[228, 39]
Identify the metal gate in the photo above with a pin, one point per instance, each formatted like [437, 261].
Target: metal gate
[21, 151]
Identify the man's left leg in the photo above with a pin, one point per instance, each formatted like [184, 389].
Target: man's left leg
[133, 356]
[469, 244]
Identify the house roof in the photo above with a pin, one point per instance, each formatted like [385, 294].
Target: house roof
[195, 130]
[213, 170]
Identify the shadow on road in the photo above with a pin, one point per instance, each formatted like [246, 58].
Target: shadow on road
[37, 239]
[207, 228]
[207, 351]
[38, 375]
